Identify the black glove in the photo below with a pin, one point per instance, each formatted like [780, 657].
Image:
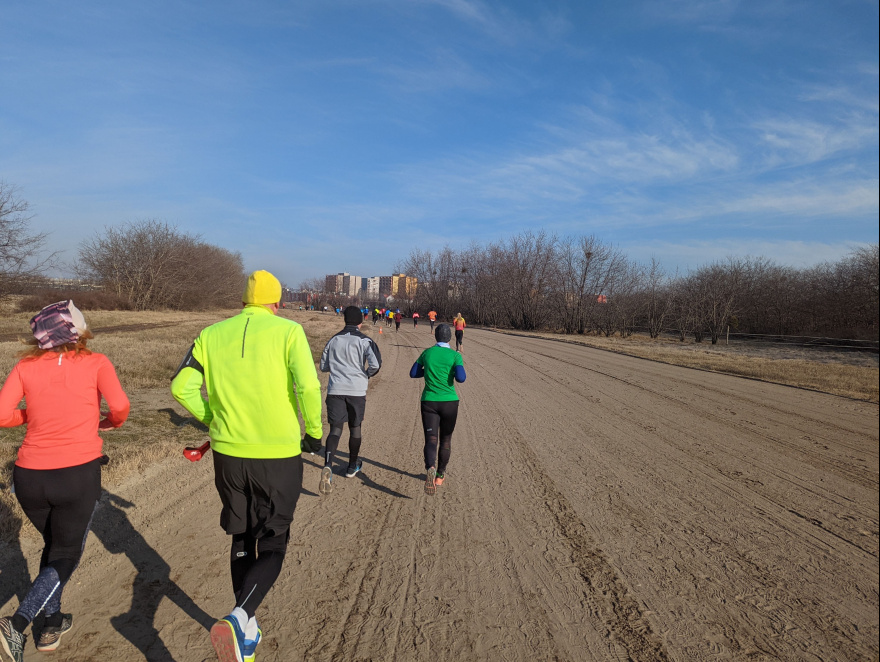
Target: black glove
[310, 444]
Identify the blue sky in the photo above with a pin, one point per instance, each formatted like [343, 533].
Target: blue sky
[331, 135]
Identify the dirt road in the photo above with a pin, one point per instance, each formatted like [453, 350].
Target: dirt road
[597, 507]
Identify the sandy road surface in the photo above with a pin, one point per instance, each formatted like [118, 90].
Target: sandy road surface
[598, 507]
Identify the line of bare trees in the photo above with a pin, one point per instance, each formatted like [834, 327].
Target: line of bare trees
[146, 264]
[581, 284]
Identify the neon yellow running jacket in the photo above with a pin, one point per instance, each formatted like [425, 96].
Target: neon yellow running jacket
[259, 373]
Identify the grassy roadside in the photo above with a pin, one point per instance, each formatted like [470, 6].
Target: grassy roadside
[146, 349]
[800, 368]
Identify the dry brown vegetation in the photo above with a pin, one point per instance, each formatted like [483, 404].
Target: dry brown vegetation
[852, 375]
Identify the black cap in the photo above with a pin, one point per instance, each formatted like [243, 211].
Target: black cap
[353, 316]
[443, 333]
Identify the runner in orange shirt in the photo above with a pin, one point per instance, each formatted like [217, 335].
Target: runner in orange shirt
[459, 324]
[57, 474]
[432, 316]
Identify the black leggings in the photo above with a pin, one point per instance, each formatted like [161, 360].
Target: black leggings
[255, 564]
[59, 503]
[438, 422]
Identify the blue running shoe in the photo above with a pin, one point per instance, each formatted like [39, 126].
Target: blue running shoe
[250, 647]
[354, 469]
[227, 639]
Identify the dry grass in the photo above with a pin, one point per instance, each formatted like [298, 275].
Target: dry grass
[800, 367]
[146, 352]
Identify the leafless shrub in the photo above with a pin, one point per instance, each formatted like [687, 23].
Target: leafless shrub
[154, 265]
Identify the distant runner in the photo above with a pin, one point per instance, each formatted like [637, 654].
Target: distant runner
[439, 365]
[351, 358]
[397, 317]
[459, 331]
[415, 317]
[432, 317]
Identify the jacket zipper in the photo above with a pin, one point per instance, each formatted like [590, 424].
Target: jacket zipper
[243, 336]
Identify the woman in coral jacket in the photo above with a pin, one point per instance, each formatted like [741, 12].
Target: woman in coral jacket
[57, 475]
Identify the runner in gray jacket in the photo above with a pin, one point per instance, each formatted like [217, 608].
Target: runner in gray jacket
[351, 358]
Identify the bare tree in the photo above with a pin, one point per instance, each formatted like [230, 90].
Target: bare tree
[720, 286]
[20, 248]
[312, 285]
[154, 265]
[658, 297]
[586, 267]
[529, 269]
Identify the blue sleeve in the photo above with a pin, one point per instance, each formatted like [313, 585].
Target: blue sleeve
[417, 370]
[460, 375]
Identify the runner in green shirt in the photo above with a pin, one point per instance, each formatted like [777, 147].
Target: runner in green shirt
[441, 367]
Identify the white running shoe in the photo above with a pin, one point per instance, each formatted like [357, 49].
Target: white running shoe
[326, 484]
[430, 485]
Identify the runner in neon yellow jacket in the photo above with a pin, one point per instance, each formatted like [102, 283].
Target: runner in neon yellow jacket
[258, 371]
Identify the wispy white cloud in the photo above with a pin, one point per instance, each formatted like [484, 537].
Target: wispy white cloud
[504, 25]
[799, 141]
[437, 73]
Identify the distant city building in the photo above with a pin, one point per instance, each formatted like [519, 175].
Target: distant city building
[406, 286]
[333, 283]
[371, 287]
[398, 285]
[350, 285]
[387, 285]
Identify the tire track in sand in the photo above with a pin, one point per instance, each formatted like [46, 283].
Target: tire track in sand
[611, 608]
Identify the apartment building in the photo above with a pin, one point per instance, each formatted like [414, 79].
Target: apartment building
[370, 286]
[342, 283]
[398, 285]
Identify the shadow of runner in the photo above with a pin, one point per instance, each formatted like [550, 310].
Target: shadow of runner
[179, 421]
[15, 579]
[376, 486]
[151, 584]
[342, 465]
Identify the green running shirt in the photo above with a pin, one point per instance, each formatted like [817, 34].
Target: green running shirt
[439, 364]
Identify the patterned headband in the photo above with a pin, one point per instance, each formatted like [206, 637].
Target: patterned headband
[58, 324]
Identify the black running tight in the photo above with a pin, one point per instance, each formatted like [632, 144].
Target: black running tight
[438, 422]
[59, 503]
[255, 565]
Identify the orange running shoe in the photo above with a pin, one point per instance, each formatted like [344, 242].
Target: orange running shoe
[438, 480]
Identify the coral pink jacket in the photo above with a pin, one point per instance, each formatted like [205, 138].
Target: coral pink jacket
[62, 392]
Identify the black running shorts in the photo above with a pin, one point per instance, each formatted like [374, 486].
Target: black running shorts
[342, 408]
[258, 496]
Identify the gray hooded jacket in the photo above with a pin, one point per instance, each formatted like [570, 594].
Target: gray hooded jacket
[351, 358]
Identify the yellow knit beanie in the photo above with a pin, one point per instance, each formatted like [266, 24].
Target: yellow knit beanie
[262, 288]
